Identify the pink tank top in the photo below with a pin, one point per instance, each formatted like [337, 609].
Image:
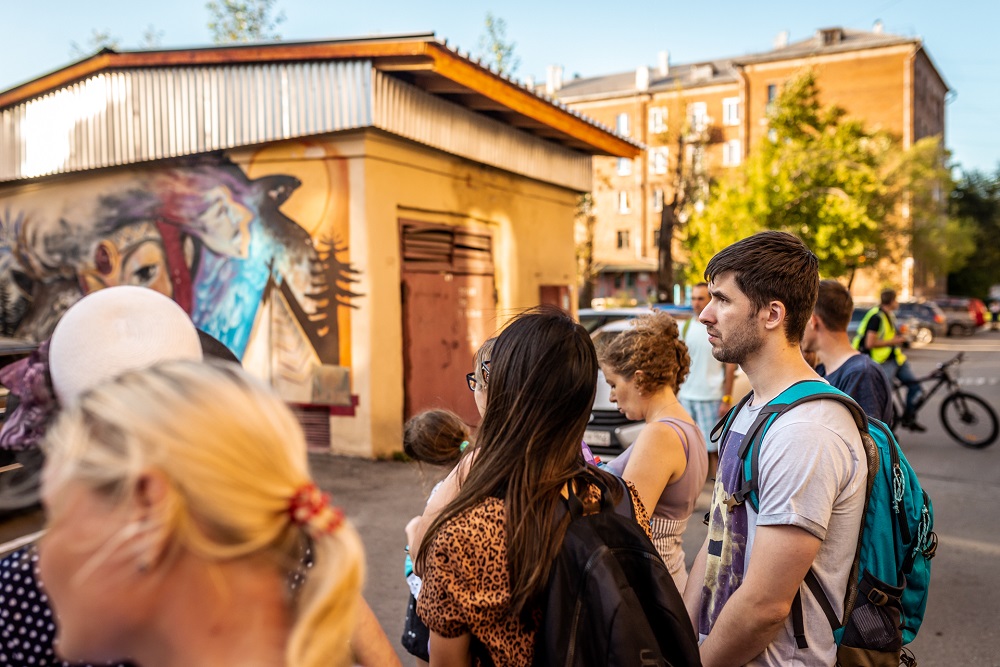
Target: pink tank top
[678, 499]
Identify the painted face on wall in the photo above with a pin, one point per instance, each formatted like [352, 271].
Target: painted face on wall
[224, 225]
[132, 255]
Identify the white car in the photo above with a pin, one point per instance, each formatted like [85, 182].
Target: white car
[609, 431]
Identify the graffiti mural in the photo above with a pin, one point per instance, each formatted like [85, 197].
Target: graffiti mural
[202, 232]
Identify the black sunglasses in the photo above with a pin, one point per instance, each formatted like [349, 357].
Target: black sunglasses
[470, 378]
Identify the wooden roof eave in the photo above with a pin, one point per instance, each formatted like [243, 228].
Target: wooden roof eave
[527, 104]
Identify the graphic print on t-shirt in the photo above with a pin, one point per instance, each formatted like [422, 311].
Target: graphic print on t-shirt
[727, 532]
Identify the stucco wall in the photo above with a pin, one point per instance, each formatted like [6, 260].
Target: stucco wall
[532, 227]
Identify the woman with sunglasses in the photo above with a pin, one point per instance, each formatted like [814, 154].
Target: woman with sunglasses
[430, 436]
[486, 557]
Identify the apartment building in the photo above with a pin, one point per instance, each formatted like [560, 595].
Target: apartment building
[720, 107]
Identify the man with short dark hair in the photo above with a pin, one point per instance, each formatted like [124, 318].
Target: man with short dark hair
[878, 338]
[845, 368]
[811, 479]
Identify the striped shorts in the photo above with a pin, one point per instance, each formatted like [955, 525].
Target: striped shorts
[706, 416]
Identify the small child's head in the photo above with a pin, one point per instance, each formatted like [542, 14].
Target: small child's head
[435, 437]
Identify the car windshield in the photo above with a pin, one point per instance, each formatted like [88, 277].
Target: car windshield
[591, 322]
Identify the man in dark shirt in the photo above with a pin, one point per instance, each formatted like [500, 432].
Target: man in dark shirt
[844, 367]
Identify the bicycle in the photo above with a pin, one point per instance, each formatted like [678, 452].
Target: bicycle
[966, 417]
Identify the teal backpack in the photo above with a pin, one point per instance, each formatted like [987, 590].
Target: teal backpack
[887, 589]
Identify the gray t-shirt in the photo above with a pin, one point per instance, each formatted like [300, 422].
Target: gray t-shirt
[812, 475]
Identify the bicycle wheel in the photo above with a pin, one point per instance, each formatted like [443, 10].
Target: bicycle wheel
[969, 419]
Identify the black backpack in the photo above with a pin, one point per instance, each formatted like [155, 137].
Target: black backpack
[610, 600]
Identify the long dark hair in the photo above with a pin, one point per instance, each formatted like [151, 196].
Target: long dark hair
[543, 375]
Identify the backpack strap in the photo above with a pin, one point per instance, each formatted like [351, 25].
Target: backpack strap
[575, 505]
[799, 393]
[721, 429]
[685, 327]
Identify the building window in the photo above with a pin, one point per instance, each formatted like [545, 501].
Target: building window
[622, 239]
[621, 124]
[731, 111]
[657, 120]
[658, 159]
[731, 153]
[656, 238]
[624, 166]
[772, 92]
[658, 200]
[623, 206]
[698, 114]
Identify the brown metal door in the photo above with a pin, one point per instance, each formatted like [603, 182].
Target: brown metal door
[554, 295]
[449, 309]
[446, 317]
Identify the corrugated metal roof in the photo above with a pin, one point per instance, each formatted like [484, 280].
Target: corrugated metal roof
[849, 40]
[125, 117]
[409, 112]
[121, 108]
[623, 83]
[691, 75]
[132, 116]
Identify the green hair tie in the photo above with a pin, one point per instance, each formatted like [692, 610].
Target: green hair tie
[461, 448]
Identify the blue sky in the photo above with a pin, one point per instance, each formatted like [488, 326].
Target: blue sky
[585, 37]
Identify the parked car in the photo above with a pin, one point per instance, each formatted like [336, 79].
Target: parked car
[963, 315]
[860, 309]
[593, 318]
[927, 320]
[609, 431]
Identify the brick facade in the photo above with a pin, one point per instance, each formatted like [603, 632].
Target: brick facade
[890, 82]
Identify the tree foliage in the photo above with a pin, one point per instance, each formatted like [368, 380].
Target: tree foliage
[98, 40]
[689, 183]
[940, 241]
[818, 175]
[494, 49]
[233, 21]
[584, 222]
[976, 201]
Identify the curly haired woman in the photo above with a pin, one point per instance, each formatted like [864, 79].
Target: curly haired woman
[667, 463]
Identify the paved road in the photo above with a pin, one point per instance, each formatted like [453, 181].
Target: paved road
[960, 626]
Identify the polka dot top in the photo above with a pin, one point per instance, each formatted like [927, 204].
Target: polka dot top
[27, 625]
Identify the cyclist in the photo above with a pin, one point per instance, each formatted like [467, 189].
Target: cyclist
[877, 337]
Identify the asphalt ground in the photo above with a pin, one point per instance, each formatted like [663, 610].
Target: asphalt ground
[960, 626]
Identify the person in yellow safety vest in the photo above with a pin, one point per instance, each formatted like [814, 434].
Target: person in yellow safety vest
[877, 337]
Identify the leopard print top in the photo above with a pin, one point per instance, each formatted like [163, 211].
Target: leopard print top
[466, 587]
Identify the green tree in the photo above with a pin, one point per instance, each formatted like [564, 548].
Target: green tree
[584, 223]
[818, 175]
[494, 49]
[976, 200]
[151, 38]
[233, 21]
[689, 184]
[99, 39]
[940, 241]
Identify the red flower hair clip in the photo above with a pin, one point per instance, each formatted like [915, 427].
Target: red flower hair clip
[309, 507]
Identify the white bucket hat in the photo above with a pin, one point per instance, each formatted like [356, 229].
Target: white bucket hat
[114, 330]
